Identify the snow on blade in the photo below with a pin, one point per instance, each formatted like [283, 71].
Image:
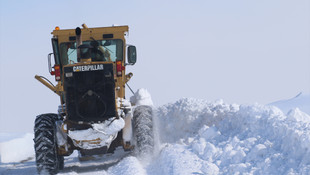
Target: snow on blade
[104, 132]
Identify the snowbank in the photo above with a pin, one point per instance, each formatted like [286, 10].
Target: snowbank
[10, 136]
[200, 137]
[234, 139]
[17, 150]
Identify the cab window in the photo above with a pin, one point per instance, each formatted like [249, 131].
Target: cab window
[100, 50]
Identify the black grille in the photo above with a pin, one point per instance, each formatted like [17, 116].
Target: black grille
[89, 93]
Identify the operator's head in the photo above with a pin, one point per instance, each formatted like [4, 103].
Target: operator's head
[85, 51]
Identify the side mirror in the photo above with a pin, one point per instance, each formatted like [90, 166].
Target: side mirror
[49, 62]
[132, 55]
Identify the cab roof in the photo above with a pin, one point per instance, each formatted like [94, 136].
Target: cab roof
[98, 33]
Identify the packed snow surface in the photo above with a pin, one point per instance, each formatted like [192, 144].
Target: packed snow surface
[201, 137]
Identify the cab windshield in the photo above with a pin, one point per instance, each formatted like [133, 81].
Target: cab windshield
[99, 50]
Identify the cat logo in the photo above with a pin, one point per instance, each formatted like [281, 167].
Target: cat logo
[88, 68]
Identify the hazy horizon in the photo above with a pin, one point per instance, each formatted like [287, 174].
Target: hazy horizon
[240, 51]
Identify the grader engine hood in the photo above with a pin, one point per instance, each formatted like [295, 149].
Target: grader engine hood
[89, 92]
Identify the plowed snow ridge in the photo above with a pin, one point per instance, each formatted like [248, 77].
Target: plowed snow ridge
[223, 138]
[199, 137]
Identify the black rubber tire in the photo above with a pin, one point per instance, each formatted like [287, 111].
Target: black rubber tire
[116, 142]
[143, 130]
[45, 144]
[61, 162]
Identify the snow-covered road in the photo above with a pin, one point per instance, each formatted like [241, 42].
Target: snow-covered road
[198, 137]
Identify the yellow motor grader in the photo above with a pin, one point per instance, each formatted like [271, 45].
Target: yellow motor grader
[93, 116]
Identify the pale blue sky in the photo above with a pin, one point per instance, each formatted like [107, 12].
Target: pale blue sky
[240, 51]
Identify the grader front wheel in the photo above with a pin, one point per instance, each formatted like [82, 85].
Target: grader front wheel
[45, 144]
[143, 130]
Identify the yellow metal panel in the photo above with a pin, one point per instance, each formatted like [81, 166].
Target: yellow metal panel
[96, 33]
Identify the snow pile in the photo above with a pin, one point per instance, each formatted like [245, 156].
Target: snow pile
[296, 115]
[129, 165]
[141, 97]
[17, 150]
[180, 160]
[199, 137]
[301, 101]
[186, 116]
[222, 138]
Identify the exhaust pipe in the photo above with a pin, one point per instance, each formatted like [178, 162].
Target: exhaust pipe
[84, 26]
[78, 32]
